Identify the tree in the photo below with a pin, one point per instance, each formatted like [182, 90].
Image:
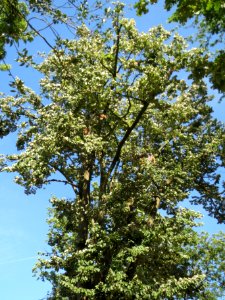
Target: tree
[117, 121]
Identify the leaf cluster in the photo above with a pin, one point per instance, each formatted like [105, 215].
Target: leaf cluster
[209, 18]
[12, 23]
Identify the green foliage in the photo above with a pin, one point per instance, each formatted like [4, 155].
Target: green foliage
[160, 261]
[12, 23]
[209, 16]
[141, 7]
[8, 120]
[121, 125]
[213, 11]
[217, 71]
[5, 67]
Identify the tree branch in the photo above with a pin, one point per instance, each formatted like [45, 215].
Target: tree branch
[61, 181]
[126, 136]
[117, 50]
[67, 181]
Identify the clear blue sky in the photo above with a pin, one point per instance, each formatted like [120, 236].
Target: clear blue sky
[23, 228]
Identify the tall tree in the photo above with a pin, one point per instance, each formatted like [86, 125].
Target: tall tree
[117, 121]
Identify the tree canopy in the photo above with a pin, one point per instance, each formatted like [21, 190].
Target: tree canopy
[124, 118]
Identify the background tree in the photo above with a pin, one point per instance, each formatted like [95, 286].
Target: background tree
[117, 122]
[211, 12]
[12, 25]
